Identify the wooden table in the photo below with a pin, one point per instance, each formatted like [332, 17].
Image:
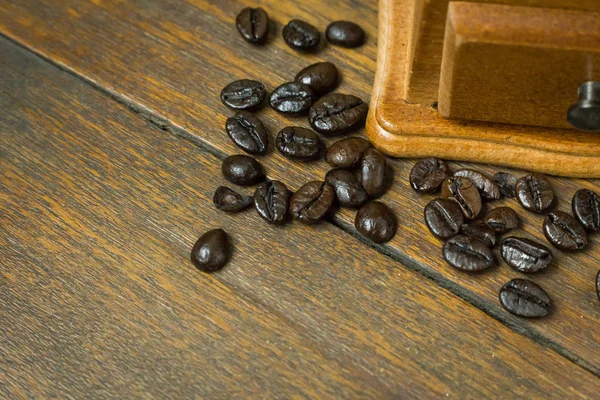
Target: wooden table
[111, 136]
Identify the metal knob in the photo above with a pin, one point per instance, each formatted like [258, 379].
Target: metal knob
[586, 114]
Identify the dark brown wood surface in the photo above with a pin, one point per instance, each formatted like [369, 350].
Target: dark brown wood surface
[100, 209]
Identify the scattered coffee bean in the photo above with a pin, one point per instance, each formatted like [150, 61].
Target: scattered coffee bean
[321, 77]
[271, 200]
[242, 170]
[230, 201]
[468, 254]
[534, 192]
[347, 153]
[525, 255]
[247, 132]
[466, 194]
[348, 190]
[598, 284]
[506, 182]
[253, 24]
[428, 175]
[337, 113]
[298, 143]
[212, 251]
[524, 298]
[292, 98]
[502, 219]
[312, 201]
[586, 209]
[301, 36]
[376, 221]
[564, 231]
[375, 177]
[487, 188]
[244, 94]
[444, 218]
[480, 230]
[345, 34]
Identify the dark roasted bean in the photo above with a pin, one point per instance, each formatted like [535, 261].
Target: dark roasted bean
[244, 94]
[502, 219]
[524, 298]
[465, 193]
[298, 143]
[301, 36]
[292, 98]
[428, 175]
[444, 218]
[337, 113]
[480, 230]
[345, 34]
[534, 193]
[348, 190]
[487, 188]
[468, 254]
[321, 77]
[242, 170]
[586, 209]
[212, 251]
[525, 255]
[375, 177]
[247, 132]
[230, 201]
[376, 221]
[271, 200]
[253, 24]
[506, 182]
[347, 153]
[564, 231]
[312, 201]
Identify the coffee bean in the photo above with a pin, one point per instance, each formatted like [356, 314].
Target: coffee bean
[345, 34]
[598, 284]
[428, 175]
[347, 153]
[348, 190]
[468, 254]
[230, 201]
[298, 143]
[466, 194]
[502, 219]
[292, 98]
[253, 24]
[564, 231]
[321, 77]
[444, 218]
[376, 221]
[375, 177]
[301, 36]
[487, 188]
[244, 94]
[242, 170]
[337, 113]
[212, 251]
[480, 230]
[586, 209]
[534, 193]
[506, 182]
[312, 201]
[247, 132]
[524, 298]
[271, 200]
[525, 255]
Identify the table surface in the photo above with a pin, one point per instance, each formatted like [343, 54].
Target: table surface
[111, 133]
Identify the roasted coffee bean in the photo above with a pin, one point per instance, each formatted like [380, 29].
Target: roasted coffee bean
[376, 221]
[312, 201]
[444, 218]
[321, 77]
[336, 113]
[298, 143]
[230, 201]
[253, 24]
[480, 230]
[428, 175]
[524, 298]
[466, 194]
[525, 255]
[534, 192]
[598, 284]
[301, 36]
[586, 209]
[348, 190]
[375, 177]
[244, 94]
[487, 188]
[345, 34]
[292, 98]
[271, 200]
[564, 231]
[247, 132]
[347, 153]
[212, 251]
[506, 182]
[468, 254]
[242, 170]
[502, 219]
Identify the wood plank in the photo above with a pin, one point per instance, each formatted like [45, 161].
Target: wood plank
[163, 57]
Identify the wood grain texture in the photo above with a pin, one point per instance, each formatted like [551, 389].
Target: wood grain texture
[99, 299]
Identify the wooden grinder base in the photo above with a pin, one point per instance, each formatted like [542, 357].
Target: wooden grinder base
[406, 130]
